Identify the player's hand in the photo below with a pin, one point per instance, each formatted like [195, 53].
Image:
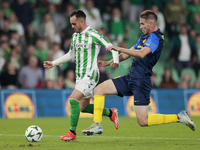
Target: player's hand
[112, 47]
[102, 63]
[114, 65]
[47, 64]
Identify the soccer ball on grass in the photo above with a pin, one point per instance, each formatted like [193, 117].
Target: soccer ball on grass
[33, 133]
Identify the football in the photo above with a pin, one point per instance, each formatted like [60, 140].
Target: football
[33, 133]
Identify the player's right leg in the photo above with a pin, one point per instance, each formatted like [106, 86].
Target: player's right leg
[105, 88]
[74, 115]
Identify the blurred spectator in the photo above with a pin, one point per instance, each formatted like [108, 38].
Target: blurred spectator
[49, 84]
[196, 85]
[153, 80]
[5, 50]
[196, 23]
[68, 31]
[193, 8]
[193, 34]
[15, 25]
[69, 80]
[2, 63]
[53, 73]
[125, 7]
[186, 81]
[136, 7]
[183, 50]
[59, 84]
[24, 12]
[161, 19]
[40, 51]
[196, 65]
[6, 8]
[57, 51]
[1, 19]
[117, 26]
[173, 11]
[57, 2]
[30, 35]
[57, 18]
[167, 81]
[29, 52]
[8, 78]
[3, 38]
[93, 15]
[5, 29]
[47, 30]
[106, 15]
[15, 40]
[160, 3]
[15, 58]
[31, 76]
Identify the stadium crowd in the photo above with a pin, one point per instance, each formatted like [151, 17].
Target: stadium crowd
[33, 31]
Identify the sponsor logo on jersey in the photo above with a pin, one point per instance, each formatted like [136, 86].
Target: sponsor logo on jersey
[82, 115]
[19, 105]
[80, 45]
[144, 40]
[131, 110]
[140, 46]
[193, 104]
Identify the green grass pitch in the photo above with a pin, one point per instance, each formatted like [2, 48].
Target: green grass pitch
[130, 135]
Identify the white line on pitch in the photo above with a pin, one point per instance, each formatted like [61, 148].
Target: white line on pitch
[115, 137]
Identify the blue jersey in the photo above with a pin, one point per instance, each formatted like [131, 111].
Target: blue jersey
[142, 67]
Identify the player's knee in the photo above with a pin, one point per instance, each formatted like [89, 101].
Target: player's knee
[142, 122]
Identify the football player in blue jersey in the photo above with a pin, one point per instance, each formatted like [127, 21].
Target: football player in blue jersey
[137, 82]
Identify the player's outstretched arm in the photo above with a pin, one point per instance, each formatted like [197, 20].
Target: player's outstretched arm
[65, 58]
[132, 52]
[47, 64]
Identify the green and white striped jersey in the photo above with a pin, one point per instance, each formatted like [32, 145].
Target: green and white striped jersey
[86, 46]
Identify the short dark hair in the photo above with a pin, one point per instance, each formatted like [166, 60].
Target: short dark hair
[148, 14]
[78, 13]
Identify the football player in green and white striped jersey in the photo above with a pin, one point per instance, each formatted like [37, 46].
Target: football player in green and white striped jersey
[85, 46]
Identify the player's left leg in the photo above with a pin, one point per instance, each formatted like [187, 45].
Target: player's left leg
[156, 119]
[141, 91]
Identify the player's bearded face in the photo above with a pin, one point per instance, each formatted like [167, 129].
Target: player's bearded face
[145, 26]
[76, 24]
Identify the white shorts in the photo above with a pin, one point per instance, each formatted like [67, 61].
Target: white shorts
[85, 86]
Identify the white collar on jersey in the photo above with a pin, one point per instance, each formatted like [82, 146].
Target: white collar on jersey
[88, 27]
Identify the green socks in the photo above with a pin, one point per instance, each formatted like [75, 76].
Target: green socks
[74, 114]
[90, 109]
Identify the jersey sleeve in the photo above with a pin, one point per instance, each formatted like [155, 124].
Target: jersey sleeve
[152, 42]
[100, 39]
[136, 45]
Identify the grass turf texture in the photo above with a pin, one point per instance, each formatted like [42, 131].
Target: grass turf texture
[129, 135]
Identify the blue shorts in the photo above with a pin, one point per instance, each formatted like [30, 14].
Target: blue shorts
[140, 88]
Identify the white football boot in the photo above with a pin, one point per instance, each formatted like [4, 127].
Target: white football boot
[95, 128]
[183, 118]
